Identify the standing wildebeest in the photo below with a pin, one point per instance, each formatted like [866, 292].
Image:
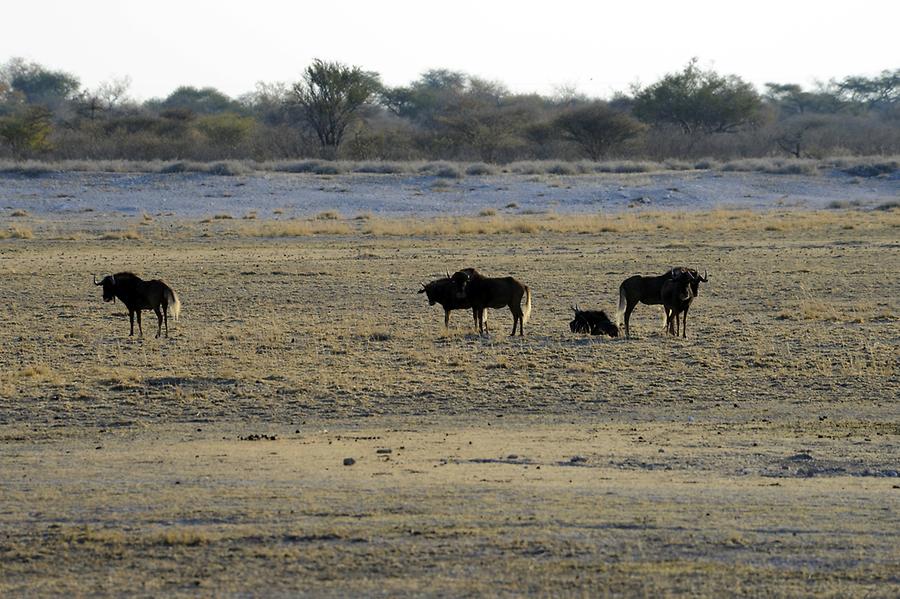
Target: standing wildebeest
[443, 292]
[647, 290]
[595, 322]
[677, 294]
[138, 295]
[486, 292]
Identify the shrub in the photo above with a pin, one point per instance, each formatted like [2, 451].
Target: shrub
[480, 168]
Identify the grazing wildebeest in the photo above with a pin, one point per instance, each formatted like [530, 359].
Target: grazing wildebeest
[443, 291]
[595, 322]
[677, 295]
[647, 290]
[486, 292]
[138, 294]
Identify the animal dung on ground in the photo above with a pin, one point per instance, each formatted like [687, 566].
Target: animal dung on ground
[349, 461]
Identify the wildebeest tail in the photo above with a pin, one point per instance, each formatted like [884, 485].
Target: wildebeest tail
[526, 314]
[173, 301]
[620, 312]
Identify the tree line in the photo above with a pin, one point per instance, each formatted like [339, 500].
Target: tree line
[341, 111]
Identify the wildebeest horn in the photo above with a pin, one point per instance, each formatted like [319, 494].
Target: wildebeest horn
[705, 275]
[95, 281]
[575, 308]
[448, 274]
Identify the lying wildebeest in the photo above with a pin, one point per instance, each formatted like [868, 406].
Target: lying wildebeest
[443, 292]
[677, 295]
[138, 294]
[486, 292]
[647, 290]
[595, 322]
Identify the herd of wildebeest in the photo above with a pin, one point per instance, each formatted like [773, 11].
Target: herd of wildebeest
[466, 289]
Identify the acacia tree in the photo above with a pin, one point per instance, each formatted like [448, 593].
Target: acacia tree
[699, 101]
[330, 95]
[596, 128]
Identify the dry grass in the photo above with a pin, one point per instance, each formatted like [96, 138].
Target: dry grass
[718, 221]
[121, 234]
[17, 232]
[755, 457]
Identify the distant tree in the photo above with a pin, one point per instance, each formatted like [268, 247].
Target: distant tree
[880, 91]
[793, 99]
[596, 128]
[267, 102]
[699, 101]
[227, 130]
[793, 133]
[39, 85]
[425, 100]
[206, 100]
[329, 97]
[27, 133]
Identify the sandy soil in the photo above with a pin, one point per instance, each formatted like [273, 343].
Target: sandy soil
[759, 456]
[198, 195]
[500, 506]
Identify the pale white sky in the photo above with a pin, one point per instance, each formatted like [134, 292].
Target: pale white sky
[597, 46]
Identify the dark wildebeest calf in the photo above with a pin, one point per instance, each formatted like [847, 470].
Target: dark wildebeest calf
[677, 295]
[443, 292]
[138, 295]
[595, 322]
[646, 290]
[486, 292]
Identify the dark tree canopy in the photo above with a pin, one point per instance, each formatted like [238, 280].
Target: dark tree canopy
[38, 85]
[330, 95]
[206, 100]
[699, 101]
[597, 128]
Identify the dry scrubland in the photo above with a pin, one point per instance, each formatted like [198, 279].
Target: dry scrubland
[759, 456]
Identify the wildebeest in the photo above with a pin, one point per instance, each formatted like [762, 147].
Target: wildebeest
[444, 292]
[487, 292]
[595, 322]
[138, 294]
[677, 294]
[646, 290]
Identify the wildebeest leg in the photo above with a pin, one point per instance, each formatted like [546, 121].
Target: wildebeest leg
[628, 310]
[475, 316]
[159, 320]
[684, 326]
[131, 317]
[140, 328]
[515, 320]
[446, 318]
[165, 312]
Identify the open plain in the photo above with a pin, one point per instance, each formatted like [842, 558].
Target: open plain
[760, 456]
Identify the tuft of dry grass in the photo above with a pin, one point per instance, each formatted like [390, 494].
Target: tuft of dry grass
[17, 232]
[121, 234]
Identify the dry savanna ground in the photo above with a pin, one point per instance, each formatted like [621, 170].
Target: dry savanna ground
[759, 456]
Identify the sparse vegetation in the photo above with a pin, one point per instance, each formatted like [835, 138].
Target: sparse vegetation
[783, 390]
[338, 113]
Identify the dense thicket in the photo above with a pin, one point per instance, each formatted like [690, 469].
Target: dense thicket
[341, 111]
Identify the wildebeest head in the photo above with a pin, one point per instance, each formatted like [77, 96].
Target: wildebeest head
[695, 279]
[109, 287]
[594, 322]
[461, 280]
[435, 291]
